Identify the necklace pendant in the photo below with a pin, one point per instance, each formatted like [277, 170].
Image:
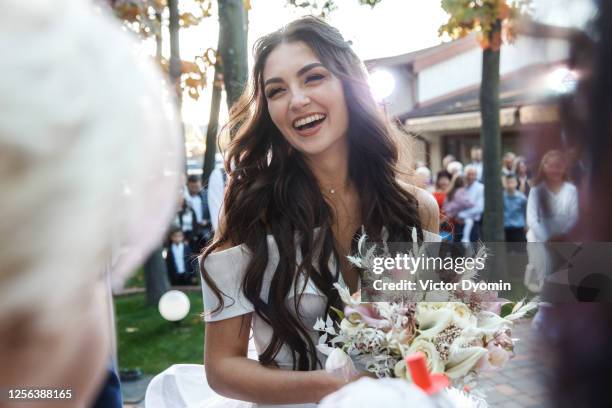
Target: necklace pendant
[332, 191]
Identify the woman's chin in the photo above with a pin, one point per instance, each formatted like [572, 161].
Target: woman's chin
[319, 145]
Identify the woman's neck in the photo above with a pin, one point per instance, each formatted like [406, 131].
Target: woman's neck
[553, 186]
[330, 168]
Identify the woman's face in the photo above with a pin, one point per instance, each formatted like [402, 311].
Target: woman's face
[442, 183]
[554, 169]
[305, 100]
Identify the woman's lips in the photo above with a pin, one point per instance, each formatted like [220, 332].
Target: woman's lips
[310, 131]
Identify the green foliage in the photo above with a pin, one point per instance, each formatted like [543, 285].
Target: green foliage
[494, 21]
[146, 18]
[316, 7]
[148, 342]
[323, 8]
[370, 3]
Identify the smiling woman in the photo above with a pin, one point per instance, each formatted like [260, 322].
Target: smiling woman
[306, 100]
[312, 164]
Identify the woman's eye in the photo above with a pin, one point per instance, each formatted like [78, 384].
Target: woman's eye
[272, 92]
[314, 77]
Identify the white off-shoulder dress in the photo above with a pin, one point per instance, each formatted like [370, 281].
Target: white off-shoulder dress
[185, 385]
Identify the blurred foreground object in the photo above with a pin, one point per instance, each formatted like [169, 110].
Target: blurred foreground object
[90, 158]
[174, 305]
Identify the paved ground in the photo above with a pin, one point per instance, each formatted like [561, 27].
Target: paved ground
[520, 384]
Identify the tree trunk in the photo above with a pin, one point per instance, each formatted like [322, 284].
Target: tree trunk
[490, 138]
[233, 47]
[156, 277]
[175, 55]
[213, 124]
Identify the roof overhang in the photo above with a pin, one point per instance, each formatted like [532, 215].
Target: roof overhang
[472, 121]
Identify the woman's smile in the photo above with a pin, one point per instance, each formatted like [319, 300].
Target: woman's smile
[309, 125]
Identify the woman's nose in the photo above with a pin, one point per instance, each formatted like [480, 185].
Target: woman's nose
[299, 100]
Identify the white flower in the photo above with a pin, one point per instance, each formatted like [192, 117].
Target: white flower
[319, 325]
[351, 329]
[423, 345]
[462, 360]
[345, 295]
[462, 315]
[400, 370]
[340, 364]
[489, 323]
[432, 320]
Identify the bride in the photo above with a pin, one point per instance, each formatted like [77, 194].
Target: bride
[312, 164]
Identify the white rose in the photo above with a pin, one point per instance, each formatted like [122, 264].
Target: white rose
[423, 345]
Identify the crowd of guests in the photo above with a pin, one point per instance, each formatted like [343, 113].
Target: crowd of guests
[537, 208]
[193, 226]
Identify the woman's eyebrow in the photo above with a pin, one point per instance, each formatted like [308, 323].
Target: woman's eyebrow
[300, 72]
[308, 67]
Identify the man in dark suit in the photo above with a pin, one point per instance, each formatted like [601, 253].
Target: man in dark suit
[197, 198]
[180, 260]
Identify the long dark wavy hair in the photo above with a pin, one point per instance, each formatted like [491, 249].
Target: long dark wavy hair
[272, 191]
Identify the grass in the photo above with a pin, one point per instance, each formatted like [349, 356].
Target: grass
[148, 342]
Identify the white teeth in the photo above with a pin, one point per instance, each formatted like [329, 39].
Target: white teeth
[308, 119]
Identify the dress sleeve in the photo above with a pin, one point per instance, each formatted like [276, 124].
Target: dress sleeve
[226, 268]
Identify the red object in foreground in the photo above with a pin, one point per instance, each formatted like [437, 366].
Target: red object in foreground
[431, 384]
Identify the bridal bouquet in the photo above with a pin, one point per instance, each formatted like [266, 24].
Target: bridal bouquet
[461, 336]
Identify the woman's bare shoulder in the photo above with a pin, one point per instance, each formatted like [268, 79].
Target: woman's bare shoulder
[429, 212]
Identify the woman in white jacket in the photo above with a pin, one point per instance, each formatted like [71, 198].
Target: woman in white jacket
[552, 211]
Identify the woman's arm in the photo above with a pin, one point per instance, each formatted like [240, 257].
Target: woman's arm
[533, 219]
[231, 374]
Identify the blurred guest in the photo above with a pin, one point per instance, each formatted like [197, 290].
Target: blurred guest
[457, 200]
[475, 192]
[515, 204]
[552, 207]
[89, 171]
[443, 179]
[216, 190]
[197, 198]
[583, 366]
[455, 168]
[552, 211]
[179, 259]
[448, 159]
[523, 177]
[186, 220]
[508, 163]
[476, 156]
[423, 178]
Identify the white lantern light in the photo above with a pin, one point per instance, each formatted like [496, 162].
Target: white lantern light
[174, 305]
[382, 83]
